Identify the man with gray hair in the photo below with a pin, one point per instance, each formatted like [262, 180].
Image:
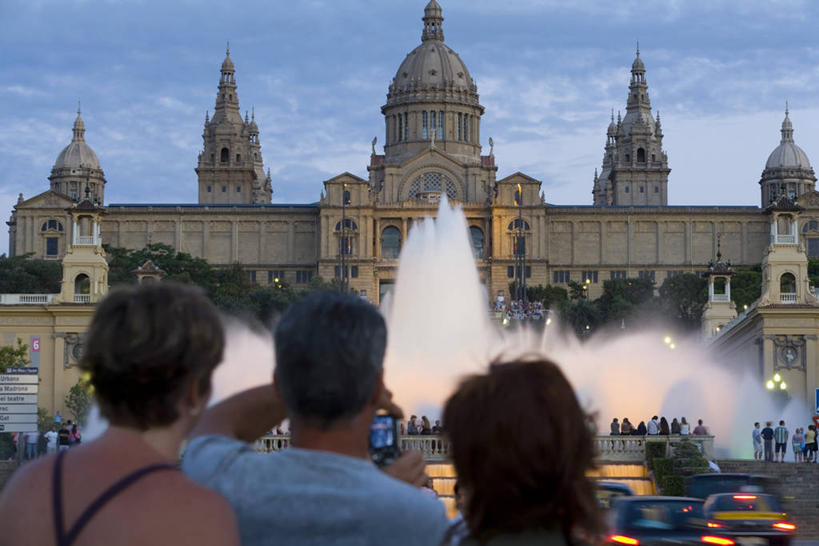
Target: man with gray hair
[324, 489]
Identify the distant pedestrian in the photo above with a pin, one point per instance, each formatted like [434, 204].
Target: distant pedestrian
[76, 437]
[31, 444]
[412, 428]
[51, 438]
[653, 426]
[810, 444]
[664, 430]
[615, 427]
[641, 429]
[675, 426]
[685, 428]
[767, 438]
[626, 427]
[437, 428]
[781, 441]
[58, 418]
[426, 428]
[798, 444]
[700, 429]
[756, 438]
[63, 438]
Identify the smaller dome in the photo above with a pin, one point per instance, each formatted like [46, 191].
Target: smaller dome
[77, 154]
[637, 65]
[227, 64]
[787, 155]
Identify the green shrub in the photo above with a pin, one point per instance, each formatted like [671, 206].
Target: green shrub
[653, 451]
[662, 467]
[673, 486]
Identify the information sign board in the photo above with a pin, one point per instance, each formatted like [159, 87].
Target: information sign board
[18, 418]
[18, 427]
[18, 397]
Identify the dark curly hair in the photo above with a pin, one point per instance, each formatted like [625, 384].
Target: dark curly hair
[521, 446]
[146, 345]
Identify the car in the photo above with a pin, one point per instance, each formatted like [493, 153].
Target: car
[750, 519]
[701, 486]
[646, 521]
[607, 491]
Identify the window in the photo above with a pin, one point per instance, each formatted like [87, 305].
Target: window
[813, 247]
[209, 189]
[354, 271]
[52, 246]
[212, 158]
[390, 243]
[656, 189]
[424, 125]
[516, 223]
[641, 155]
[238, 189]
[460, 127]
[519, 245]
[646, 275]
[346, 272]
[440, 126]
[304, 276]
[590, 276]
[510, 271]
[433, 123]
[238, 158]
[275, 275]
[346, 245]
[406, 126]
[674, 273]
[617, 275]
[252, 275]
[225, 155]
[433, 182]
[528, 271]
[224, 189]
[400, 126]
[82, 284]
[627, 189]
[628, 158]
[348, 224]
[476, 237]
[787, 284]
[653, 158]
[562, 276]
[346, 197]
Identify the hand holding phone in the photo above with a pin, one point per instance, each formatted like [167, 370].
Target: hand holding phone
[385, 445]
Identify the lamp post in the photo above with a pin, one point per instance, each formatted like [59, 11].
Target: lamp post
[342, 242]
[520, 250]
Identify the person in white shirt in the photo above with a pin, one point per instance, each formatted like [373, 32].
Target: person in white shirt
[31, 444]
[51, 437]
[653, 426]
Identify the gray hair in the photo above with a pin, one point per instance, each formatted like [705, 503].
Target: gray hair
[329, 353]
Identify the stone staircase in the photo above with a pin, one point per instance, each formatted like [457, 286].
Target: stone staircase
[799, 489]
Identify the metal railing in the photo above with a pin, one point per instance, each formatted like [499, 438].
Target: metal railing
[614, 449]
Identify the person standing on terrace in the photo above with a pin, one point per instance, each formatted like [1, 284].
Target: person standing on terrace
[150, 352]
[324, 489]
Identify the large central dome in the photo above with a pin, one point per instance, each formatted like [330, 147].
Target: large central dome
[433, 67]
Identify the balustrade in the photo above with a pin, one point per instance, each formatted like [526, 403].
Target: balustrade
[26, 299]
[82, 298]
[787, 297]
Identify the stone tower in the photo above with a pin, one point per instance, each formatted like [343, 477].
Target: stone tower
[719, 310]
[787, 170]
[77, 167]
[230, 168]
[635, 167]
[85, 269]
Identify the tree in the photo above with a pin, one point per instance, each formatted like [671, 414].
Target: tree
[552, 297]
[78, 401]
[621, 297]
[746, 286]
[684, 297]
[23, 275]
[11, 356]
[582, 315]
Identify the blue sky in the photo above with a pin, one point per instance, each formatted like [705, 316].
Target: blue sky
[317, 71]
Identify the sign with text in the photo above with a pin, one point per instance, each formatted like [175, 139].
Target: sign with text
[18, 427]
[18, 408]
[20, 379]
[18, 396]
[35, 351]
[5, 388]
[18, 418]
[18, 399]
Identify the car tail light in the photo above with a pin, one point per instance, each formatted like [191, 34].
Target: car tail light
[622, 539]
[714, 525]
[785, 526]
[719, 541]
[745, 497]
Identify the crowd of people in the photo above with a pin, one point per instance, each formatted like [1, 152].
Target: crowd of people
[151, 351]
[519, 310]
[62, 435]
[421, 427]
[771, 444]
[657, 426]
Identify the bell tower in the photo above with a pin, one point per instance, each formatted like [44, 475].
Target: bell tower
[230, 168]
[785, 279]
[85, 269]
[719, 310]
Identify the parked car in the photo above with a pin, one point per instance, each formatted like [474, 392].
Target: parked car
[701, 486]
[608, 491]
[647, 521]
[749, 519]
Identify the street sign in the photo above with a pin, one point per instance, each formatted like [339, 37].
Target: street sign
[19, 379]
[18, 408]
[18, 418]
[18, 399]
[817, 401]
[18, 427]
[5, 388]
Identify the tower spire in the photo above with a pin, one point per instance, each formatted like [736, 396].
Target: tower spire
[79, 125]
[787, 127]
[433, 20]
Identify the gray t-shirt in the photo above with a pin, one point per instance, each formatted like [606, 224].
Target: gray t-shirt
[301, 496]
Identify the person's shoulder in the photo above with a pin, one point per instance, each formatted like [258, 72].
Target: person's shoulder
[205, 454]
[395, 494]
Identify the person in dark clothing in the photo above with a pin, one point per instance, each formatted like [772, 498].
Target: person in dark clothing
[664, 427]
[641, 429]
[675, 426]
[63, 438]
[767, 439]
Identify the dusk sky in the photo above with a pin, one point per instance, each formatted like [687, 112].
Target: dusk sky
[317, 73]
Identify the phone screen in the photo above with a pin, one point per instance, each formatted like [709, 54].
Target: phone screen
[384, 439]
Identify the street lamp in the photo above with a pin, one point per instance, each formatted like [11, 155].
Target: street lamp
[520, 249]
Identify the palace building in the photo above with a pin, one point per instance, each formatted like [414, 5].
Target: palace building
[432, 150]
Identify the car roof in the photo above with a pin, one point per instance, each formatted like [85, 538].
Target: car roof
[658, 498]
[740, 493]
[715, 475]
[613, 485]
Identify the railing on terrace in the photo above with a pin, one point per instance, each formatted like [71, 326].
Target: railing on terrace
[82, 298]
[721, 298]
[26, 299]
[783, 239]
[85, 240]
[614, 449]
[787, 297]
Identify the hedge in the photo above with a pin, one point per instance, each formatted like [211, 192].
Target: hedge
[673, 486]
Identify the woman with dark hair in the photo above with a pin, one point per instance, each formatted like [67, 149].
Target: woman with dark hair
[150, 352]
[641, 429]
[523, 471]
[426, 428]
[664, 430]
[75, 438]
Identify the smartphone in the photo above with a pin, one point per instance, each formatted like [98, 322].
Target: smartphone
[384, 440]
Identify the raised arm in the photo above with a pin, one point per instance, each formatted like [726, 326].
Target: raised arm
[245, 416]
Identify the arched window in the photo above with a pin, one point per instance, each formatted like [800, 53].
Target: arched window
[390, 243]
[476, 238]
[52, 225]
[348, 224]
[225, 155]
[424, 125]
[787, 284]
[432, 183]
[516, 224]
[238, 158]
[82, 284]
[813, 225]
[346, 197]
[628, 158]
[641, 155]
